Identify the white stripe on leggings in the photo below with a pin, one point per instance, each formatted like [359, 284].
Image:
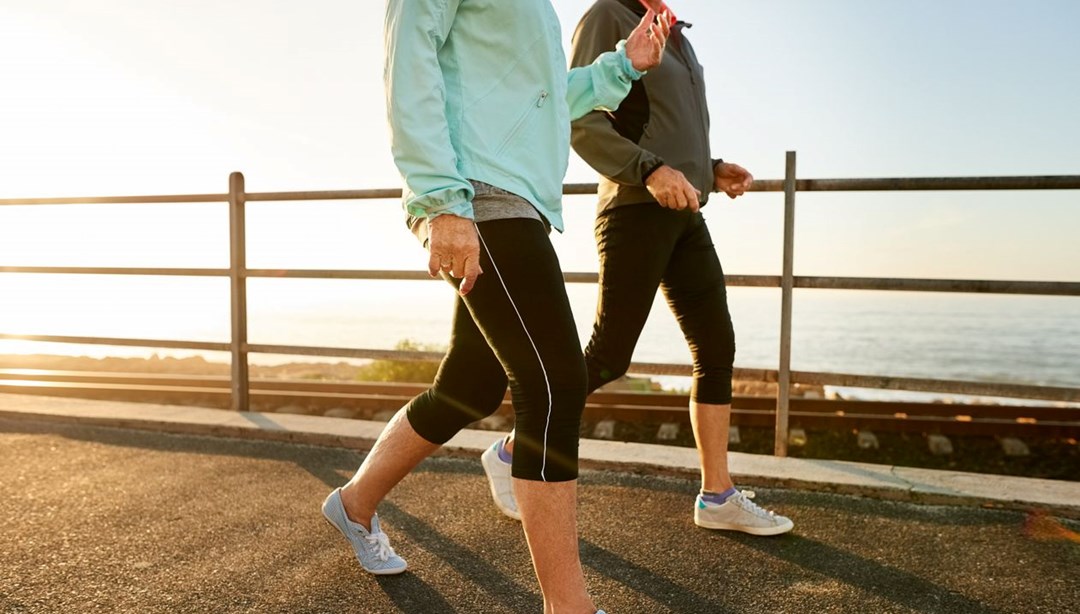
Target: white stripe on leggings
[547, 425]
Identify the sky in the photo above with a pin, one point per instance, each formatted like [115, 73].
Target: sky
[151, 97]
[136, 96]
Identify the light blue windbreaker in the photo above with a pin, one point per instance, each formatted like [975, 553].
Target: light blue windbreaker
[478, 89]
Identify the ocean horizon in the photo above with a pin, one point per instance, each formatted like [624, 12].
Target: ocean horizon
[987, 338]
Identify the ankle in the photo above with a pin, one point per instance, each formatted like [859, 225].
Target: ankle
[576, 606]
[355, 509]
[717, 485]
[717, 497]
[506, 453]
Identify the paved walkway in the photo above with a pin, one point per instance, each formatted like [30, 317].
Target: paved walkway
[101, 519]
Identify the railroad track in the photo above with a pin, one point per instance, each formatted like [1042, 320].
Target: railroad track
[369, 398]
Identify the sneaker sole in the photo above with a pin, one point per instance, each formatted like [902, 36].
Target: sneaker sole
[376, 572]
[762, 531]
[509, 513]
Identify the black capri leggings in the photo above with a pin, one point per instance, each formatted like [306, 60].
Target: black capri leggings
[515, 327]
[645, 246]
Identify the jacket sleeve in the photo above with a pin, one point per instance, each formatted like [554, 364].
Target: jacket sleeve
[415, 30]
[593, 135]
[602, 84]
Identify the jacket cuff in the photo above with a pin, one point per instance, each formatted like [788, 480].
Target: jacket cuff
[431, 206]
[628, 66]
[648, 167]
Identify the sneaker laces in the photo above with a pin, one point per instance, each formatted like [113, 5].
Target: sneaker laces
[742, 498]
[380, 543]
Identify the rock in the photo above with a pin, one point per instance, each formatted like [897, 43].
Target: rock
[733, 437]
[797, 437]
[340, 412]
[668, 431]
[867, 441]
[1014, 447]
[605, 429]
[939, 445]
[294, 409]
[384, 415]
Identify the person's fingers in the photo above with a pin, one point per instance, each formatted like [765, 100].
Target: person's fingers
[680, 200]
[661, 37]
[648, 19]
[472, 271]
[645, 25]
[693, 196]
[456, 263]
[665, 24]
[743, 177]
[433, 265]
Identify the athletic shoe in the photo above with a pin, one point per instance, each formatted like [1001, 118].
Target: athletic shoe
[739, 513]
[372, 547]
[498, 475]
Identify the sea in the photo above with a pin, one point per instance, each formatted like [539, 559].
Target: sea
[1014, 339]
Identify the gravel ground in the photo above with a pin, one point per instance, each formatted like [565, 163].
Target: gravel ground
[111, 520]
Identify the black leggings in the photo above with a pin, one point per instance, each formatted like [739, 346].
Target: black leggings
[646, 246]
[515, 327]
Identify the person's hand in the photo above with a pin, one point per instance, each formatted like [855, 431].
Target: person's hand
[455, 249]
[645, 45]
[731, 179]
[672, 189]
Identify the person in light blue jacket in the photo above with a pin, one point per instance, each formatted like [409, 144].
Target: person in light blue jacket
[480, 103]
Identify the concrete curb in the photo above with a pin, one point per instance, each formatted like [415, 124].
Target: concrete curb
[878, 481]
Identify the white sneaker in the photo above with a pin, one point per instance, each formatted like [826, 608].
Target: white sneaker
[498, 475]
[372, 548]
[739, 513]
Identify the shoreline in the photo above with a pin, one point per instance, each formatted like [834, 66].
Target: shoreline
[338, 371]
[345, 370]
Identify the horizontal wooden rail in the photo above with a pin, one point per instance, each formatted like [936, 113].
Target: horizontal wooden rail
[165, 272]
[968, 286]
[123, 342]
[119, 200]
[882, 184]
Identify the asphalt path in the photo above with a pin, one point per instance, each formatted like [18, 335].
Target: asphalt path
[111, 520]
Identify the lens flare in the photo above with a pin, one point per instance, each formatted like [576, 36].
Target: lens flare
[1041, 526]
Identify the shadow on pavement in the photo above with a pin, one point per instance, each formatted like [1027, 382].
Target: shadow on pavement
[643, 580]
[900, 587]
[464, 561]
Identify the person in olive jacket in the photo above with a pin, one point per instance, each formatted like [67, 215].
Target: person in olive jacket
[656, 173]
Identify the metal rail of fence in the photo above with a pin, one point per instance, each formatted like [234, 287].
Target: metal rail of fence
[237, 197]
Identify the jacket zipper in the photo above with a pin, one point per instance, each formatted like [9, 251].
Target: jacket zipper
[691, 65]
[540, 100]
